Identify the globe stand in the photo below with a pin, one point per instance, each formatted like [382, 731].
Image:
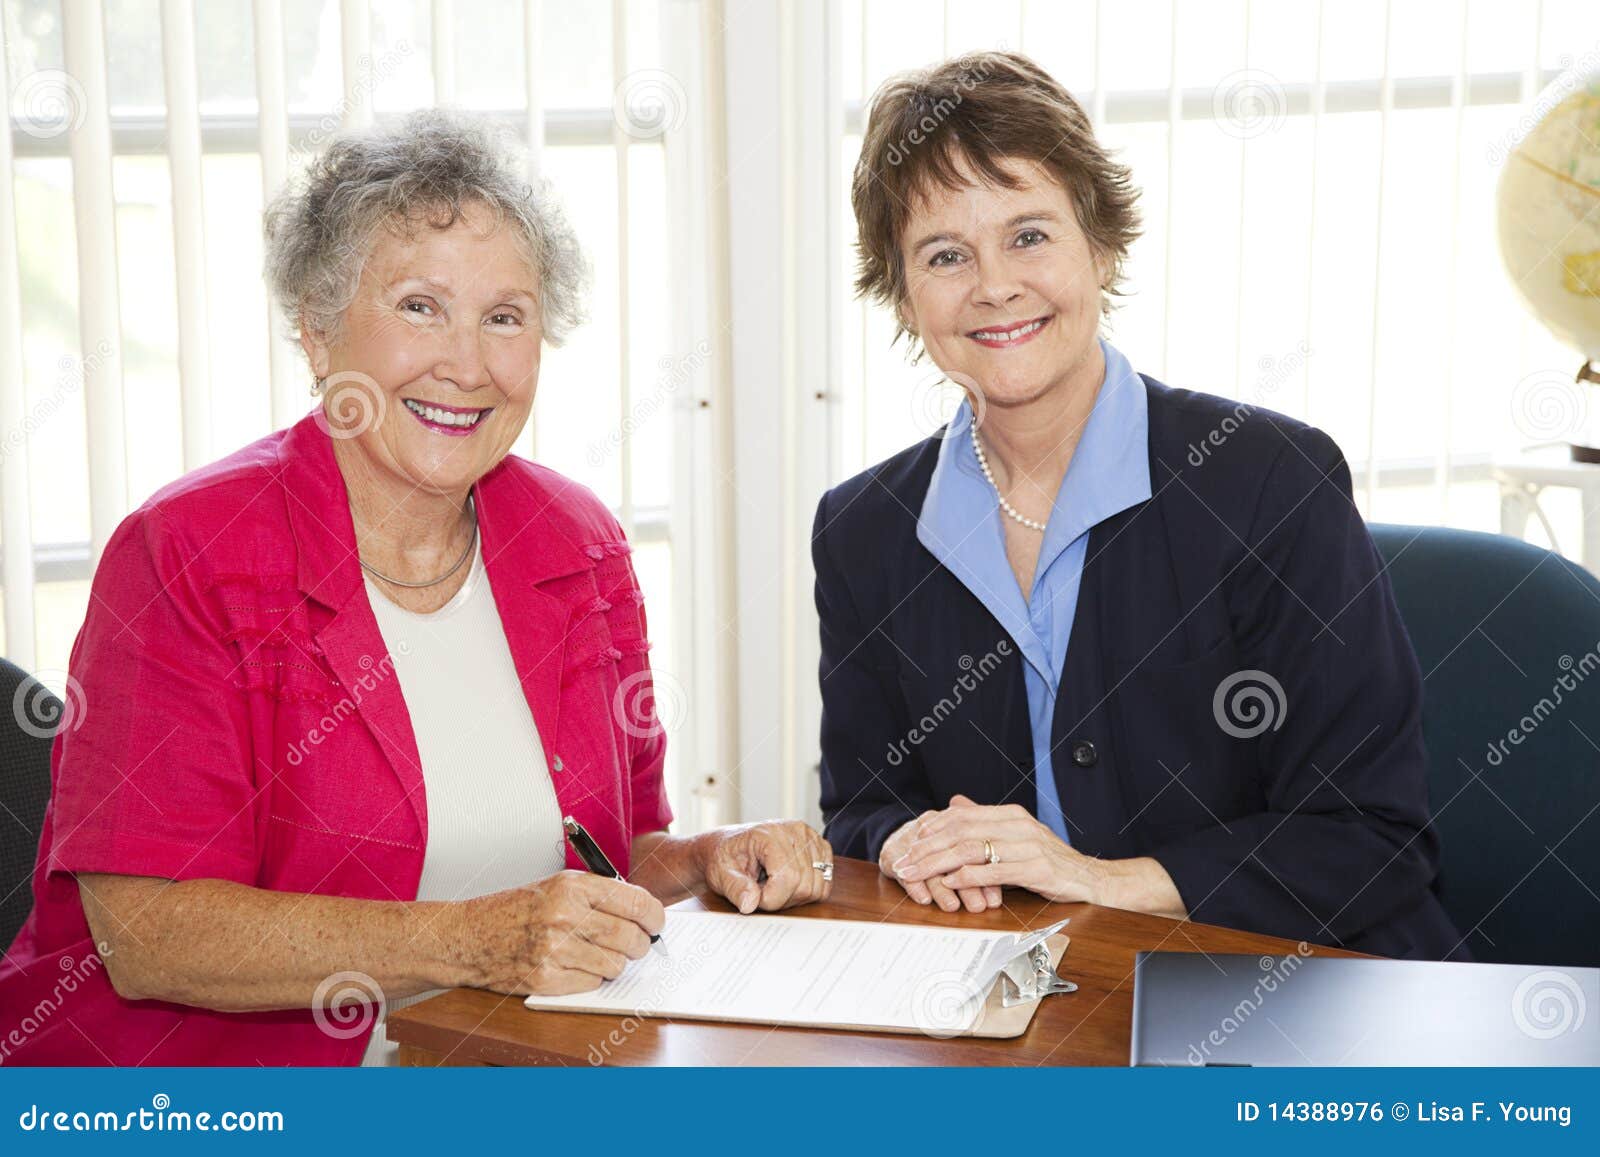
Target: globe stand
[1580, 452]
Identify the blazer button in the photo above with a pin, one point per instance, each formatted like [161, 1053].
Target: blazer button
[1084, 753]
[556, 765]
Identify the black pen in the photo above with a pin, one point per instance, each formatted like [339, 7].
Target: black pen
[597, 861]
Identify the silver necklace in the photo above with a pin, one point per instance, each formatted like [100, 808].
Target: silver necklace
[473, 541]
[983, 464]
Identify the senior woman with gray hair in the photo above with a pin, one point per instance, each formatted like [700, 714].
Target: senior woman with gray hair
[343, 685]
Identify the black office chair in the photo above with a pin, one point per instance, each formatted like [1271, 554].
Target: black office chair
[1513, 769]
[29, 716]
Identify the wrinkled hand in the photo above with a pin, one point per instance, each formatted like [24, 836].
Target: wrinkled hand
[766, 865]
[565, 933]
[948, 848]
[934, 890]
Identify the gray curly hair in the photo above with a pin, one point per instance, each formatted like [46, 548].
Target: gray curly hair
[424, 169]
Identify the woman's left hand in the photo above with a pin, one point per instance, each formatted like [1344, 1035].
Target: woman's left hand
[768, 865]
[951, 847]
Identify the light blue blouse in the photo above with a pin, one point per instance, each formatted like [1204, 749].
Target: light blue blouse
[961, 525]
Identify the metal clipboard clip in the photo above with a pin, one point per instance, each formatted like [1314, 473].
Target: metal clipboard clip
[1029, 976]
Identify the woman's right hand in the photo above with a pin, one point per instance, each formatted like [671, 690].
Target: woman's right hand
[933, 889]
[565, 933]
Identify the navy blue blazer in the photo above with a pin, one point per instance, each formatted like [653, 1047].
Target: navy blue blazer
[1309, 821]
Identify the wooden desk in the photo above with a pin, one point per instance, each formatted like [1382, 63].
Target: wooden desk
[469, 1026]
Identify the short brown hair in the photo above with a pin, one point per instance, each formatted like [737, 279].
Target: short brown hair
[983, 108]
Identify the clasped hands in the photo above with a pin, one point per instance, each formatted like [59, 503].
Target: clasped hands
[941, 858]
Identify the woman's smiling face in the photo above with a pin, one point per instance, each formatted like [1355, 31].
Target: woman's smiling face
[1002, 285]
[434, 374]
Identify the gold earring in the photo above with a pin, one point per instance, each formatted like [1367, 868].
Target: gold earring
[316, 386]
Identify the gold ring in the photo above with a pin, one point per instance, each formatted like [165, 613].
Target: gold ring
[990, 856]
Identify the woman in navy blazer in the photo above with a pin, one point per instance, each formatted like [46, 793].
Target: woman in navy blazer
[1099, 638]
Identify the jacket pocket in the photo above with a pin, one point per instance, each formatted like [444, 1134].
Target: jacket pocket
[1191, 763]
[268, 624]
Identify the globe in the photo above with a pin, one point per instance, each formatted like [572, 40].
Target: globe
[1549, 209]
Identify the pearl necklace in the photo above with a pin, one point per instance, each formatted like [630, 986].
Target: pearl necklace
[983, 464]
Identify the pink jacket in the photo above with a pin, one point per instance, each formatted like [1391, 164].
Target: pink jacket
[240, 720]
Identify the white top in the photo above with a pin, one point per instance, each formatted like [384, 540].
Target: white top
[493, 819]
